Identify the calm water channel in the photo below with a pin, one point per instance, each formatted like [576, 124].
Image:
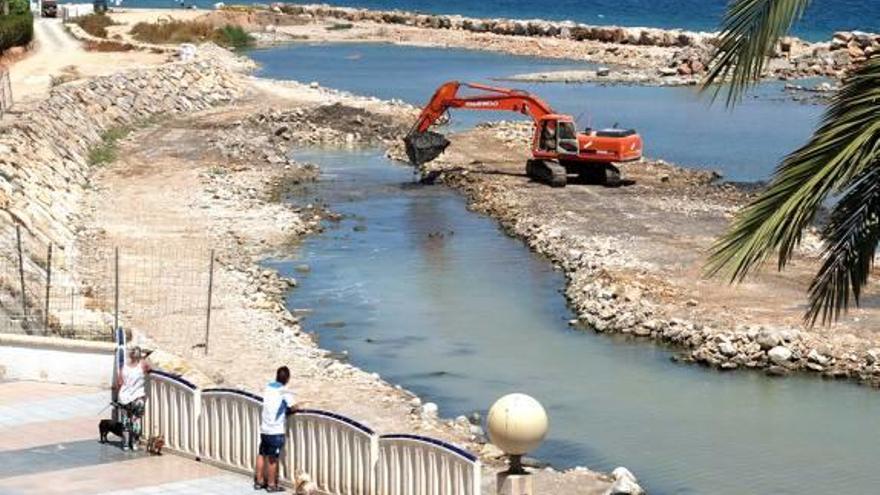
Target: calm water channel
[439, 300]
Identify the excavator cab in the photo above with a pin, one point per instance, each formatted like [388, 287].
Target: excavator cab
[558, 135]
[566, 137]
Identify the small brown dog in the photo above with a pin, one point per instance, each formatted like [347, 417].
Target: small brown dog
[155, 445]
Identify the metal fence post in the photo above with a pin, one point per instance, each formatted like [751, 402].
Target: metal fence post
[72, 311]
[5, 91]
[116, 288]
[48, 289]
[24, 311]
[210, 297]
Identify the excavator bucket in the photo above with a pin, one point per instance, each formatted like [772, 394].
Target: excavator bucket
[422, 147]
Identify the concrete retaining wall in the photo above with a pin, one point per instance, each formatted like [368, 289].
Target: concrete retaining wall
[56, 360]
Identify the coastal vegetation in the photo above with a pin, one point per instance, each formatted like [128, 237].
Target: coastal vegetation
[839, 163]
[16, 24]
[106, 151]
[95, 24]
[175, 31]
[232, 36]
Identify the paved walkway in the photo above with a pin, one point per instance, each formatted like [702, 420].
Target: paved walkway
[49, 444]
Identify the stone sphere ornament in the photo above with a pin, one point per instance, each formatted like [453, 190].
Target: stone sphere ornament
[517, 424]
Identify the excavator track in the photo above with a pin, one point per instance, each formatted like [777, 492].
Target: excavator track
[611, 176]
[547, 172]
[602, 174]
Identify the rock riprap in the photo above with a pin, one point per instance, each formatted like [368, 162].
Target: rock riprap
[44, 150]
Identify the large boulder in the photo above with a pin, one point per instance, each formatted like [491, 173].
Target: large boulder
[727, 349]
[779, 355]
[625, 483]
[768, 339]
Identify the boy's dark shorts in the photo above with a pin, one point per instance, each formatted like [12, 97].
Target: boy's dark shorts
[271, 445]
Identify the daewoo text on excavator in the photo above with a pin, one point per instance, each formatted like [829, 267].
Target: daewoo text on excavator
[557, 148]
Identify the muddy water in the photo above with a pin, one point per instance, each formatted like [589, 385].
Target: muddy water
[437, 299]
[744, 144]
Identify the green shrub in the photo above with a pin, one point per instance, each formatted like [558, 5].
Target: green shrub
[95, 24]
[105, 152]
[233, 37]
[18, 7]
[16, 30]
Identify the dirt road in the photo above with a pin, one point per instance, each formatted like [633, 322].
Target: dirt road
[58, 57]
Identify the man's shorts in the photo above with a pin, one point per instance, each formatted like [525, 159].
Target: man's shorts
[271, 445]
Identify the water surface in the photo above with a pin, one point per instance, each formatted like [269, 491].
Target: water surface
[438, 299]
[677, 125]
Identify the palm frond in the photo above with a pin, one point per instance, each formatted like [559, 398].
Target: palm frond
[749, 31]
[851, 235]
[846, 144]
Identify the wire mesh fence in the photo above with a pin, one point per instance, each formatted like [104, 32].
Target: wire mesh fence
[84, 294]
[5, 91]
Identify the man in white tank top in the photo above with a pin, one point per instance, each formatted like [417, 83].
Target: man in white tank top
[132, 395]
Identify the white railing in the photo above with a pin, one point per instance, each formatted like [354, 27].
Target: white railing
[416, 465]
[340, 455]
[173, 412]
[230, 428]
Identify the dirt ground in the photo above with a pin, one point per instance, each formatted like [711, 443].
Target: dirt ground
[659, 229]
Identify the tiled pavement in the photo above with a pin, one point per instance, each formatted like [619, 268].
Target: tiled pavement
[49, 445]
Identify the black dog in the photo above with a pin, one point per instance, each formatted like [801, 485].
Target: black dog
[109, 426]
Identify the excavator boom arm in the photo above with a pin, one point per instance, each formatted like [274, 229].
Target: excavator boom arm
[492, 99]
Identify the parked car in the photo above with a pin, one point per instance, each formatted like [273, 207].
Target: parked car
[50, 8]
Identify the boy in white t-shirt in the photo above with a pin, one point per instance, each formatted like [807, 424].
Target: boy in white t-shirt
[277, 405]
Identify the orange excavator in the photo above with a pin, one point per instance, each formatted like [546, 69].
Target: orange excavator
[557, 148]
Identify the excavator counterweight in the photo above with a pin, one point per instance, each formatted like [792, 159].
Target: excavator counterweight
[557, 148]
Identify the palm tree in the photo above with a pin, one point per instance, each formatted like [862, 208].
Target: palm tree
[840, 160]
